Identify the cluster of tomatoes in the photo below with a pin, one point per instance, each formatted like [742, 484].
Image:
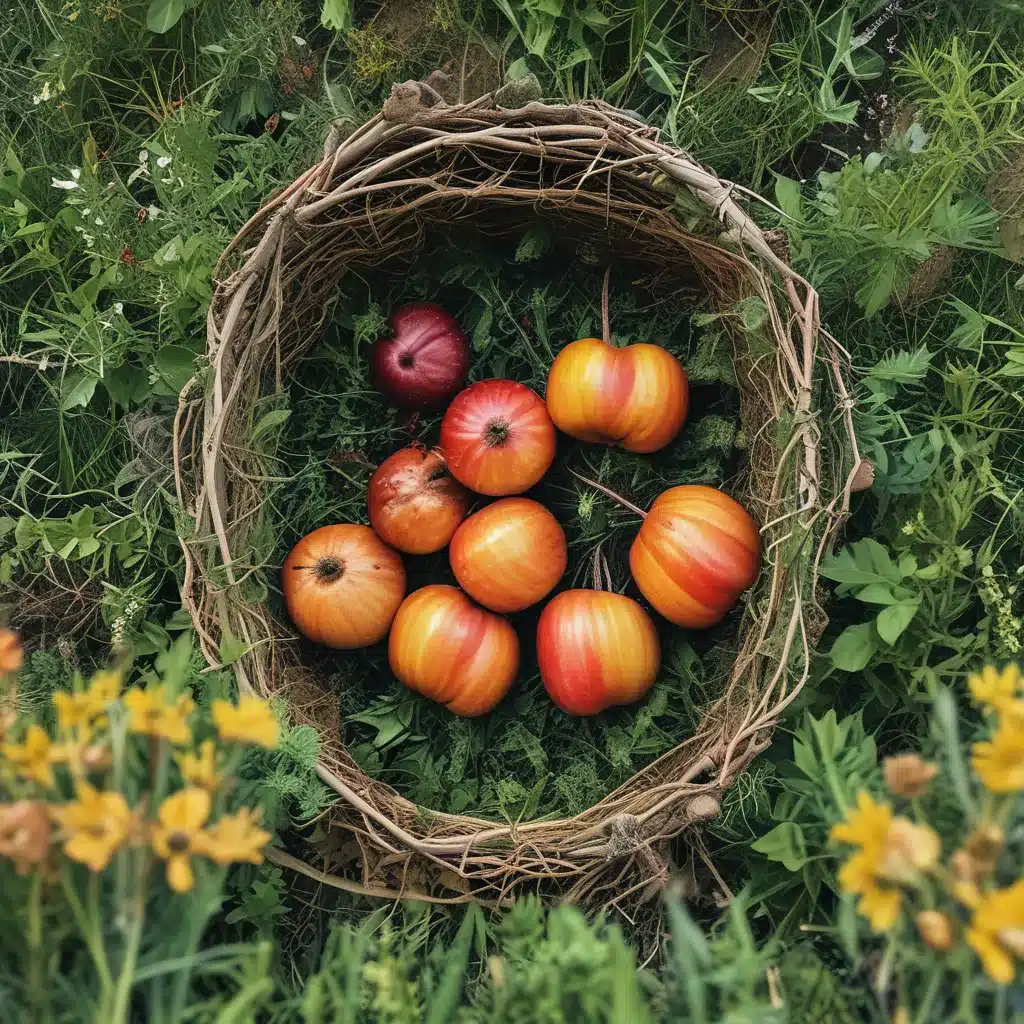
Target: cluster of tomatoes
[345, 585]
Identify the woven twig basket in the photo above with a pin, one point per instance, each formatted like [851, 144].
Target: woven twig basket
[605, 175]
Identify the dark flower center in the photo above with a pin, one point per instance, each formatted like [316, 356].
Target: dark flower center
[178, 842]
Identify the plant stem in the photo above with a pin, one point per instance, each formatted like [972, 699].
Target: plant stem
[35, 942]
[611, 494]
[90, 933]
[126, 976]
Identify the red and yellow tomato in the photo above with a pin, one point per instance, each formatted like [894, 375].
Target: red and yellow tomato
[635, 397]
[697, 551]
[596, 649]
[498, 437]
[342, 586]
[447, 648]
[415, 504]
[509, 555]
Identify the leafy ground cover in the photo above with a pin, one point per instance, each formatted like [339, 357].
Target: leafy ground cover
[138, 136]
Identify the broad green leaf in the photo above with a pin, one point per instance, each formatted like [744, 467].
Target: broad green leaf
[892, 621]
[787, 195]
[877, 593]
[785, 845]
[337, 14]
[854, 647]
[77, 390]
[863, 562]
[163, 15]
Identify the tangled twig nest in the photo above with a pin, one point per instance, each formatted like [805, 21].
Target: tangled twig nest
[606, 177]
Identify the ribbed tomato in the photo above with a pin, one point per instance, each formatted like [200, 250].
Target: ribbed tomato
[498, 437]
[509, 555]
[596, 649]
[696, 552]
[453, 651]
[635, 397]
[342, 585]
[415, 504]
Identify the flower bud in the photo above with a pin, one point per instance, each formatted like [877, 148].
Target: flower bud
[936, 929]
[909, 775]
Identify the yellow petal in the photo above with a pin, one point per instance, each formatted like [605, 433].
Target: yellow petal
[186, 810]
[179, 873]
[997, 961]
[881, 907]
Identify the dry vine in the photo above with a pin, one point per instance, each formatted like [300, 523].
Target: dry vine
[606, 176]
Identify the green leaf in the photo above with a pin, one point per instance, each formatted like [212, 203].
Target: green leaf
[892, 621]
[785, 845]
[787, 195]
[231, 648]
[77, 390]
[164, 15]
[875, 293]
[877, 593]
[272, 419]
[904, 367]
[337, 14]
[863, 562]
[854, 647]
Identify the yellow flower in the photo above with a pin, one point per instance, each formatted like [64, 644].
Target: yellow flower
[24, 833]
[151, 715]
[177, 835]
[11, 655]
[910, 850]
[867, 827]
[94, 826]
[999, 762]
[996, 933]
[992, 688]
[936, 929]
[892, 852]
[200, 769]
[32, 758]
[252, 721]
[104, 688]
[236, 838]
[74, 712]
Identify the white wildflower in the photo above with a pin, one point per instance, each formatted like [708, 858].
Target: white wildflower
[143, 156]
[163, 161]
[153, 211]
[66, 185]
[119, 308]
[98, 222]
[298, 40]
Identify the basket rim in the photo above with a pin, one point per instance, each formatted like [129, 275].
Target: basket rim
[482, 859]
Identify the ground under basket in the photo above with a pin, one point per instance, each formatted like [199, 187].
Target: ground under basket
[607, 178]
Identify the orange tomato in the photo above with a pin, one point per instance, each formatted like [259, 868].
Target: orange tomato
[452, 651]
[509, 555]
[498, 437]
[342, 586]
[596, 649]
[696, 552]
[415, 505]
[635, 397]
